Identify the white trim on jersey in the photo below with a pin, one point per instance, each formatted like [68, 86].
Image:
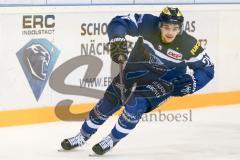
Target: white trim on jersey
[92, 125]
[198, 58]
[121, 129]
[131, 17]
[160, 54]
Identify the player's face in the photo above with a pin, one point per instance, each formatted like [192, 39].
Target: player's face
[169, 32]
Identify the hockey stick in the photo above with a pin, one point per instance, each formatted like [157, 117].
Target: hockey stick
[122, 86]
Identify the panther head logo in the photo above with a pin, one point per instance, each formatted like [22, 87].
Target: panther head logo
[36, 58]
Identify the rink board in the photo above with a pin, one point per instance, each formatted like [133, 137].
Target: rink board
[73, 39]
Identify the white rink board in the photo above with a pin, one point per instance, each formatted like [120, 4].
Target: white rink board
[216, 23]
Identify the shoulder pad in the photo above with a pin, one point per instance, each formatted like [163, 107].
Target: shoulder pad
[194, 47]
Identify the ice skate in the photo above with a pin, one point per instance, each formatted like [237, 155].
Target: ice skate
[73, 142]
[104, 146]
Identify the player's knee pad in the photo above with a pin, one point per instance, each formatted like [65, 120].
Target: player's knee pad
[134, 109]
[103, 109]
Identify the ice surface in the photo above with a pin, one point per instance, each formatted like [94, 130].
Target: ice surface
[213, 134]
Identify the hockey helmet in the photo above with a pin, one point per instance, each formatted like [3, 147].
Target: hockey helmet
[171, 15]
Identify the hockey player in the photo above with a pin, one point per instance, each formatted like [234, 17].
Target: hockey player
[157, 66]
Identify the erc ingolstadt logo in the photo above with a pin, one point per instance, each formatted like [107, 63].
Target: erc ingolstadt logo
[37, 59]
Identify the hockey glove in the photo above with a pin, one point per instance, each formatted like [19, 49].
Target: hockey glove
[118, 49]
[183, 85]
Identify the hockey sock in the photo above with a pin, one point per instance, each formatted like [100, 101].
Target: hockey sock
[93, 122]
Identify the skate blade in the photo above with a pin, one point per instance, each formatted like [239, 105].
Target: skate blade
[63, 150]
[94, 155]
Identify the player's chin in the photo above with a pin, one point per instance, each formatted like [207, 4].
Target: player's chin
[169, 40]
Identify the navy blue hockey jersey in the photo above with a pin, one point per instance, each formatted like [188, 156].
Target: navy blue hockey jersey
[184, 51]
